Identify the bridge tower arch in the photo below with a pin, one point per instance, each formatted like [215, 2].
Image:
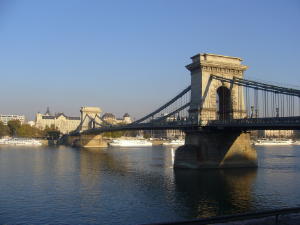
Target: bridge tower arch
[223, 103]
[205, 91]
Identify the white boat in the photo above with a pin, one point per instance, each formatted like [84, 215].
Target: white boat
[20, 141]
[4, 140]
[177, 142]
[274, 142]
[130, 142]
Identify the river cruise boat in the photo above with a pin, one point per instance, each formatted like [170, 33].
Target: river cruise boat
[274, 142]
[20, 141]
[130, 142]
[177, 142]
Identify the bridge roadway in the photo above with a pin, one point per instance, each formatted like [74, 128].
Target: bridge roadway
[271, 123]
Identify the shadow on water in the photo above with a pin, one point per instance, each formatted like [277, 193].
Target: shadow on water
[215, 192]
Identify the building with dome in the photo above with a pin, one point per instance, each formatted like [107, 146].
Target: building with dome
[109, 118]
[112, 119]
[127, 119]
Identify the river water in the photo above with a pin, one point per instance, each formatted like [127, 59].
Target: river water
[48, 185]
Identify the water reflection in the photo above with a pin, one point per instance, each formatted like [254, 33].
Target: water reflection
[215, 192]
[136, 186]
[192, 193]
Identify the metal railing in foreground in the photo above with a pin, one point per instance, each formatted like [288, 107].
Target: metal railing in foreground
[238, 217]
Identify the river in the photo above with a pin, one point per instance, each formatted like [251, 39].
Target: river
[49, 185]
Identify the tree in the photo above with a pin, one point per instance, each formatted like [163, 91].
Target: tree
[131, 133]
[52, 133]
[30, 132]
[114, 134]
[147, 135]
[4, 130]
[13, 126]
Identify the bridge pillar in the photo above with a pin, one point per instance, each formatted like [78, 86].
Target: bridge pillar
[216, 149]
[85, 141]
[91, 141]
[212, 99]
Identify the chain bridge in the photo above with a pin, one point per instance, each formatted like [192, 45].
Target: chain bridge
[215, 112]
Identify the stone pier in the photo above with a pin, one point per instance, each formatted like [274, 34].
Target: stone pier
[85, 141]
[91, 141]
[216, 149]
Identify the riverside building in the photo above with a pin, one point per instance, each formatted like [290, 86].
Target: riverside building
[6, 118]
[66, 124]
[60, 121]
[279, 133]
[111, 118]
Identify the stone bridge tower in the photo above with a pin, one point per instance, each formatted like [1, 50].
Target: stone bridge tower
[211, 99]
[90, 116]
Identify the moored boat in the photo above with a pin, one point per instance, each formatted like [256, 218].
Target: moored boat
[176, 142]
[20, 142]
[130, 142]
[274, 142]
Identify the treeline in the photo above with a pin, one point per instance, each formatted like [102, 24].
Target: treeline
[118, 134]
[14, 128]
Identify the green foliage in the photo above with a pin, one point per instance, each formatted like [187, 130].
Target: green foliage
[29, 132]
[13, 126]
[147, 135]
[118, 134]
[52, 133]
[131, 133]
[4, 130]
[114, 134]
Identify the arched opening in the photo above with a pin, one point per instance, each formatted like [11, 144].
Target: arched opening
[91, 124]
[224, 109]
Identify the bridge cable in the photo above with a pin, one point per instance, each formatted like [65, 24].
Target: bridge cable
[164, 106]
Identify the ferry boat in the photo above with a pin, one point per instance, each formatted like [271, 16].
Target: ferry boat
[130, 142]
[177, 142]
[274, 142]
[20, 141]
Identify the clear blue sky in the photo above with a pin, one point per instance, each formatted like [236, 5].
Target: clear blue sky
[129, 56]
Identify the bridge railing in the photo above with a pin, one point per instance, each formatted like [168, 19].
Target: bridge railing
[259, 123]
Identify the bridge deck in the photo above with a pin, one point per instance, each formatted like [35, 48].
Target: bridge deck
[277, 123]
